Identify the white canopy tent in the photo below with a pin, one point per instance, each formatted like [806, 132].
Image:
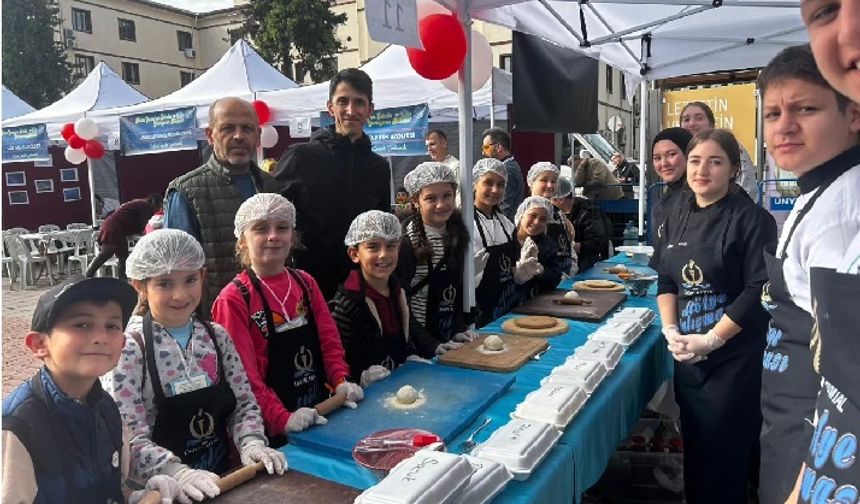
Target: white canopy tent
[395, 84]
[14, 106]
[240, 72]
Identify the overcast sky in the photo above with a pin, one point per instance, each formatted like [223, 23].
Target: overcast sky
[197, 5]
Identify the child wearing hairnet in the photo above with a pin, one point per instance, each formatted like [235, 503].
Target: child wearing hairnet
[280, 322]
[542, 180]
[180, 384]
[431, 255]
[537, 269]
[370, 308]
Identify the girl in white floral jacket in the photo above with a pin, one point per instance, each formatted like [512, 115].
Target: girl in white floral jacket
[180, 385]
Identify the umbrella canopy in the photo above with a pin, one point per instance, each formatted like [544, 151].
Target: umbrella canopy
[14, 106]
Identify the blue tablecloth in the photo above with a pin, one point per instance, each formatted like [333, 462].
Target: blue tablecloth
[583, 452]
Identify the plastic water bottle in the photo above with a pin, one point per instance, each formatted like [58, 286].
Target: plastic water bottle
[631, 234]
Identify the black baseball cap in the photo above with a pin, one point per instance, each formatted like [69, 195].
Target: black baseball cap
[76, 289]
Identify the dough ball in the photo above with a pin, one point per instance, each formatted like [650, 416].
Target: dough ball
[494, 343]
[407, 394]
[618, 268]
[571, 295]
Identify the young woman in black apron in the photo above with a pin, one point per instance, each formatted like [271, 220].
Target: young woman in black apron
[280, 322]
[180, 383]
[543, 181]
[710, 278]
[537, 269]
[494, 234]
[434, 244]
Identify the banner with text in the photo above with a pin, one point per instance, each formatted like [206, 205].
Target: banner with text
[167, 130]
[25, 143]
[395, 131]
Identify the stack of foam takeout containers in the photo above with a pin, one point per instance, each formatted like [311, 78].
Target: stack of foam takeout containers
[520, 445]
[553, 403]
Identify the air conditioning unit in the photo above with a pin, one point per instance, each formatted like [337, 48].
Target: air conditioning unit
[190, 53]
[70, 43]
[69, 33]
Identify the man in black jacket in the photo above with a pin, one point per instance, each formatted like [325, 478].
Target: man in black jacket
[333, 178]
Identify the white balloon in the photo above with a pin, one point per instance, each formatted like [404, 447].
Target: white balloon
[428, 7]
[269, 136]
[86, 128]
[75, 156]
[482, 64]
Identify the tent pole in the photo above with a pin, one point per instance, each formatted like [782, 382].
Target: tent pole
[493, 98]
[643, 147]
[92, 183]
[759, 135]
[464, 76]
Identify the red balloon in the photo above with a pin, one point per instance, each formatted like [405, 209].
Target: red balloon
[67, 131]
[444, 47]
[76, 142]
[263, 112]
[94, 149]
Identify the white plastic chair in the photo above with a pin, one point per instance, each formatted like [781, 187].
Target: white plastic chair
[49, 228]
[83, 250]
[26, 259]
[76, 225]
[18, 230]
[9, 265]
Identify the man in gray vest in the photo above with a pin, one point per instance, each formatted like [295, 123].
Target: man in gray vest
[204, 201]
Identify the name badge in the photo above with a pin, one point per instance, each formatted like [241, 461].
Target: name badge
[190, 384]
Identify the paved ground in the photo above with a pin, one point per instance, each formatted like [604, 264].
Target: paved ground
[18, 363]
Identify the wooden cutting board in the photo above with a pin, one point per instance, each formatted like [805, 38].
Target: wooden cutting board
[602, 303]
[293, 486]
[519, 350]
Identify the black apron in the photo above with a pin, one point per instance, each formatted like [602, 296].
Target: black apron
[718, 397]
[192, 425]
[789, 384]
[497, 294]
[557, 232]
[832, 469]
[389, 350]
[444, 297]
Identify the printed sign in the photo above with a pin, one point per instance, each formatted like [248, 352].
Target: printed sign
[168, 130]
[25, 143]
[395, 131]
[393, 21]
[782, 203]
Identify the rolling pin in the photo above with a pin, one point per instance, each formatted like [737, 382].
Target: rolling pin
[228, 482]
[331, 404]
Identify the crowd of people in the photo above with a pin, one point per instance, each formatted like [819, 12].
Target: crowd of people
[265, 294]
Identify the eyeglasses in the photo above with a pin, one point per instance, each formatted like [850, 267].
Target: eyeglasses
[488, 147]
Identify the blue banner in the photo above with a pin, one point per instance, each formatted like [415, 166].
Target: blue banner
[395, 131]
[25, 143]
[782, 203]
[168, 130]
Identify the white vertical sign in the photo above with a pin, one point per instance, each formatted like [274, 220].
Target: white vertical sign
[300, 127]
[393, 21]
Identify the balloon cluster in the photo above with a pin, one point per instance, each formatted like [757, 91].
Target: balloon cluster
[444, 50]
[268, 134]
[81, 137]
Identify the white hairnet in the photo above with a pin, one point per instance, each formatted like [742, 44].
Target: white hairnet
[531, 202]
[584, 154]
[538, 168]
[263, 206]
[164, 251]
[373, 224]
[428, 173]
[564, 187]
[489, 165]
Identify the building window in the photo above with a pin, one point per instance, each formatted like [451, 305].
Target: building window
[299, 71]
[185, 78]
[126, 30]
[505, 62]
[84, 65]
[131, 73]
[610, 75]
[81, 20]
[184, 39]
[623, 86]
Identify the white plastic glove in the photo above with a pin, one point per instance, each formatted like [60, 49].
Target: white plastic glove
[481, 258]
[700, 344]
[373, 374]
[303, 418]
[161, 483]
[416, 358]
[527, 269]
[529, 249]
[353, 392]
[671, 333]
[466, 336]
[196, 484]
[255, 450]
[449, 345]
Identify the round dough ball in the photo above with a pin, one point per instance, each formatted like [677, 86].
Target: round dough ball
[571, 295]
[407, 394]
[494, 343]
[618, 268]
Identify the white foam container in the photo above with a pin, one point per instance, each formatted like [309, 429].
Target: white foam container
[643, 316]
[623, 332]
[553, 403]
[520, 445]
[605, 352]
[428, 477]
[488, 480]
[574, 372]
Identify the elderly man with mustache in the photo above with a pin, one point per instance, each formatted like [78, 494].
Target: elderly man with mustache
[204, 201]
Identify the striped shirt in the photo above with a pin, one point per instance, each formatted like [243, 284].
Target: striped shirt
[436, 237]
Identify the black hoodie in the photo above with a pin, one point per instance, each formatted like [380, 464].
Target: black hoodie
[331, 180]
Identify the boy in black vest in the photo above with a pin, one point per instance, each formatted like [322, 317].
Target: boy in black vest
[63, 437]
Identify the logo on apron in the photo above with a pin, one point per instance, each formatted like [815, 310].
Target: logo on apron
[448, 296]
[766, 301]
[562, 243]
[388, 363]
[304, 360]
[202, 425]
[505, 263]
[692, 274]
[114, 460]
